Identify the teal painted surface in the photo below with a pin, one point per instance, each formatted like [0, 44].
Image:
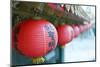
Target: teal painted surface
[18, 59]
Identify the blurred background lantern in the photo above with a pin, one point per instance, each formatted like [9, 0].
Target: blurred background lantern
[65, 34]
[76, 30]
[81, 27]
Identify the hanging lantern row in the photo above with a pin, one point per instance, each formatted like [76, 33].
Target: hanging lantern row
[36, 37]
[66, 33]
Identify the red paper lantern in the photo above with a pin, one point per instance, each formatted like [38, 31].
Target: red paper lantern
[90, 25]
[76, 30]
[15, 30]
[65, 34]
[81, 27]
[36, 38]
[85, 27]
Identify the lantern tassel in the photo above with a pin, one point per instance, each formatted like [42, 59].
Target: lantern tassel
[38, 60]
